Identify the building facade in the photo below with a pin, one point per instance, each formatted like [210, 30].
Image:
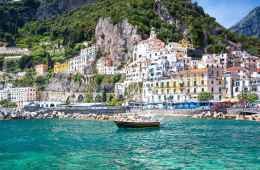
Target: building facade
[106, 66]
[19, 95]
[185, 86]
[61, 68]
[83, 62]
[41, 69]
[238, 80]
[13, 51]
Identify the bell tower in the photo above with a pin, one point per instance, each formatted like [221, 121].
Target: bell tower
[153, 34]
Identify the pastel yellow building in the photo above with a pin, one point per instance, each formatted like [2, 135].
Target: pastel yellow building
[186, 44]
[61, 67]
[185, 86]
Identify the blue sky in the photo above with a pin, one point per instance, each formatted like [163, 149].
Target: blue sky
[228, 12]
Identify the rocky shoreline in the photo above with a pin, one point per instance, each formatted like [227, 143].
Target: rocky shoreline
[62, 115]
[22, 115]
[216, 115]
[19, 115]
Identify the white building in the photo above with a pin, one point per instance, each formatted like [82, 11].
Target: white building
[105, 66]
[19, 95]
[3, 95]
[120, 89]
[80, 63]
[153, 59]
[13, 51]
[136, 71]
[185, 86]
[43, 104]
[148, 49]
[255, 83]
[22, 94]
[238, 80]
[158, 69]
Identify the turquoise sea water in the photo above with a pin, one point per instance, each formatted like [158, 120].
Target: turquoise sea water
[181, 143]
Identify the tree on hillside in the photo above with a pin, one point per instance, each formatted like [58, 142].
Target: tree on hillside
[205, 96]
[27, 80]
[7, 104]
[78, 78]
[41, 82]
[99, 78]
[116, 78]
[247, 97]
[25, 62]
[67, 102]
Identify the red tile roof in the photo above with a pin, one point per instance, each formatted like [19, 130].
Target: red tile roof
[155, 43]
[233, 69]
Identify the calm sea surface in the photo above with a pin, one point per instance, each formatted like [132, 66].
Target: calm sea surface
[181, 143]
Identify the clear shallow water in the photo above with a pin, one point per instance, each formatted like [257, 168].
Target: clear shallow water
[181, 143]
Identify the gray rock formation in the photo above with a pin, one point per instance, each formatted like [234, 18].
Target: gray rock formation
[63, 82]
[250, 25]
[62, 87]
[165, 15]
[116, 40]
[163, 12]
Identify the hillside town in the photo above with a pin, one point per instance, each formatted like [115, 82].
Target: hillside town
[157, 72]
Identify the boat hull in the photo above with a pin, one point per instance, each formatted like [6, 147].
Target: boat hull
[121, 124]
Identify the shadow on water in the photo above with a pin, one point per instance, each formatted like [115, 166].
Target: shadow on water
[137, 130]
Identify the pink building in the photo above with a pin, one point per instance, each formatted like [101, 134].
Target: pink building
[41, 69]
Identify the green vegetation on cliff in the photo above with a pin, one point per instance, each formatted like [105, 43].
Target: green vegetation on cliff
[7, 104]
[102, 88]
[13, 16]
[248, 97]
[79, 25]
[66, 32]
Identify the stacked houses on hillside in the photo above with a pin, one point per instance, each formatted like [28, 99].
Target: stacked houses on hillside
[169, 74]
[105, 66]
[82, 63]
[158, 72]
[18, 95]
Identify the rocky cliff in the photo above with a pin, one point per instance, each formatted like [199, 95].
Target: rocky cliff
[116, 40]
[62, 82]
[163, 12]
[250, 25]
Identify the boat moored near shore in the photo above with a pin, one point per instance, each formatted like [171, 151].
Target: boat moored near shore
[136, 121]
[137, 124]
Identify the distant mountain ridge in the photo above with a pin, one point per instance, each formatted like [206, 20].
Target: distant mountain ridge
[249, 25]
